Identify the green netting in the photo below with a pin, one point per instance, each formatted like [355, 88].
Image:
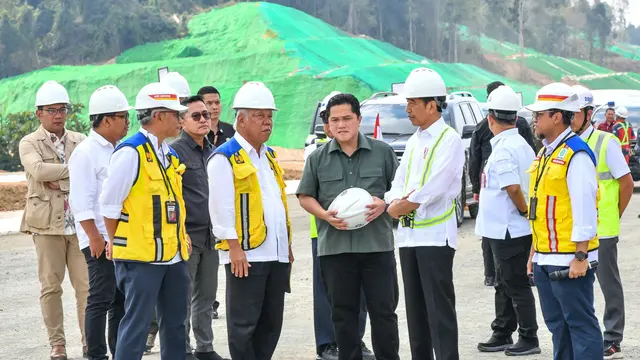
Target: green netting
[626, 50]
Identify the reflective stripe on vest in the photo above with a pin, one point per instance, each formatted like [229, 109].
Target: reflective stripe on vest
[425, 175]
[608, 210]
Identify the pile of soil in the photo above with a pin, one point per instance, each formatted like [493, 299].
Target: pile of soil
[12, 196]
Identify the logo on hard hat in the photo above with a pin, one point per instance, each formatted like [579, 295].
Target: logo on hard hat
[552, 98]
[161, 97]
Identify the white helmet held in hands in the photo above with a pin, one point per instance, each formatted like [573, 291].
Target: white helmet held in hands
[178, 82]
[108, 99]
[504, 98]
[52, 93]
[556, 96]
[351, 206]
[622, 112]
[254, 95]
[325, 101]
[585, 96]
[157, 95]
[422, 83]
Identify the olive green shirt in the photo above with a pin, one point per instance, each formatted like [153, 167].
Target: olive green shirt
[329, 171]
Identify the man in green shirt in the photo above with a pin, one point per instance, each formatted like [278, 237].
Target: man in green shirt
[361, 258]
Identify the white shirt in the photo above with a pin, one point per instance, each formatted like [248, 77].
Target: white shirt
[511, 157]
[88, 167]
[222, 207]
[583, 186]
[121, 175]
[440, 189]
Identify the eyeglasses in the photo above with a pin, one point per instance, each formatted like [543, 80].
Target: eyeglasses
[125, 116]
[196, 116]
[53, 112]
[537, 114]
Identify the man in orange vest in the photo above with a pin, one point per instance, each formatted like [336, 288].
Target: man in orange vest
[623, 130]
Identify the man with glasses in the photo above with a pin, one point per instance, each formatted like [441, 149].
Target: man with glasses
[47, 215]
[144, 212]
[88, 166]
[194, 149]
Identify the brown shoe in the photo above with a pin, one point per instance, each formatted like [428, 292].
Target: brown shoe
[58, 352]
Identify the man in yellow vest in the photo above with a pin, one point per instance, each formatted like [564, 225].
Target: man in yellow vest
[246, 197]
[616, 188]
[563, 194]
[144, 214]
[624, 131]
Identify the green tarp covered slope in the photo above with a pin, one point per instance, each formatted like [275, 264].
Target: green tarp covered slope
[300, 58]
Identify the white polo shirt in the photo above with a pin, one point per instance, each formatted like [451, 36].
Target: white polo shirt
[511, 156]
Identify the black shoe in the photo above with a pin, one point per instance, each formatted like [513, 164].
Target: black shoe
[329, 353]
[612, 351]
[208, 356]
[215, 309]
[190, 356]
[366, 353]
[495, 344]
[489, 281]
[522, 348]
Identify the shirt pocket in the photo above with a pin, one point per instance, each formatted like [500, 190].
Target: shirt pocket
[373, 180]
[194, 173]
[330, 185]
[38, 211]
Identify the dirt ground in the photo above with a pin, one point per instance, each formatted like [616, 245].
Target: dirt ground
[23, 335]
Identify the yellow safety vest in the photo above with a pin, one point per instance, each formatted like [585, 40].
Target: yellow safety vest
[608, 210]
[625, 139]
[313, 228]
[250, 226]
[553, 224]
[152, 222]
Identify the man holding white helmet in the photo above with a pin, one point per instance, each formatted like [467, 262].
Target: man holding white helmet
[423, 198]
[178, 83]
[88, 167]
[246, 197]
[48, 217]
[562, 212]
[616, 189]
[354, 253]
[144, 214]
[624, 131]
[326, 345]
[504, 186]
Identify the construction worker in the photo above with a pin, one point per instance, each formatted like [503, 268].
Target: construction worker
[220, 130]
[88, 166]
[194, 149]
[479, 151]
[562, 212]
[505, 185]
[610, 120]
[326, 345]
[144, 213]
[423, 198]
[616, 188]
[48, 217]
[246, 197]
[624, 131]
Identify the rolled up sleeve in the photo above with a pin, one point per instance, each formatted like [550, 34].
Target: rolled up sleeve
[506, 168]
[83, 185]
[222, 208]
[583, 186]
[123, 170]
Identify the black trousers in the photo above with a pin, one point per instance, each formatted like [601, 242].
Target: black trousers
[427, 272]
[104, 298]
[514, 301]
[255, 309]
[344, 275]
[487, 257]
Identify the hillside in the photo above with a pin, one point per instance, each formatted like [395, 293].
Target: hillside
[301, 58]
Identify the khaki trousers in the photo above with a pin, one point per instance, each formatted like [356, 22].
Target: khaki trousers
[54, 252]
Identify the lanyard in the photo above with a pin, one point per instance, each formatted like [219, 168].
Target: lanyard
[546, 159]
[163, 171]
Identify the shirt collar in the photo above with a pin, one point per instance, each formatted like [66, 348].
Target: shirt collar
[164, 148]
[503, 135]
[192, 143]
[363, 143]
[433, 130]
[247, 147]
[54, 137]
[100, 139]
[587, 132]
[549, 148]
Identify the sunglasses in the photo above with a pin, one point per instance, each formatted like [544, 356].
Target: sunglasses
[196, 116]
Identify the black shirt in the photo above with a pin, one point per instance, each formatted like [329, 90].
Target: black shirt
[480, 148]
[224, 133]
[195, 188]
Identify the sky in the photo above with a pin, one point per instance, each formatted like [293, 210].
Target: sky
[633, 13]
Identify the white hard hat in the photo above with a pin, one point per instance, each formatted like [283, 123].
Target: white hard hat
[351, 206]
[503, 98]
[622, 112]
[178, 82]
[424, 82]
[108, 99]
[556, 96]
[325, 101]
[158, 95]
[585, 96]
[52, 93]
[254, 95]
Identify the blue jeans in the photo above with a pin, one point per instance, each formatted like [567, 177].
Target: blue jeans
[146, 288]
[567, 308]
[322, 323]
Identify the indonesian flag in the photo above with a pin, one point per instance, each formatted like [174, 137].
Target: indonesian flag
[377, 131]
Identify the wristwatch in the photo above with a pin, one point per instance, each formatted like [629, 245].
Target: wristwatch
[523, 213]
[581, 255]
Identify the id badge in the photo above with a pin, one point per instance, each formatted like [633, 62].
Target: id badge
[172, 212]
[533, 204]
